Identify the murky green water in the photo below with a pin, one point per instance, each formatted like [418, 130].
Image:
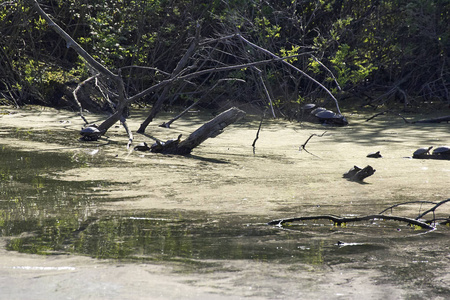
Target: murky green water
[42, 214]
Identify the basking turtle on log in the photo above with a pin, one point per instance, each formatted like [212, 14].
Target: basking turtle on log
[91, 133]
[442, 152]
[168, 146]
[327, 117]
[422, 152]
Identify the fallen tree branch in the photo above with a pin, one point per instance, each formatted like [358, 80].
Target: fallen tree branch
[433, 209]
[210, 129]
[339, 221]
[405, 203]
[434, 120]
[385, 112]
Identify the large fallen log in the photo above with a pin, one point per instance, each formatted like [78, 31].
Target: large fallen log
[208, 130]
[434, 120]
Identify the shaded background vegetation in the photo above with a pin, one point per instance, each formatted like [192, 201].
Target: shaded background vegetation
[382, 52]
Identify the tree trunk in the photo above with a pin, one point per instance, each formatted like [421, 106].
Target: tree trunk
[208, 130]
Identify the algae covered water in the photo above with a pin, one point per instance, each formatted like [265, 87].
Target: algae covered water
[203, 218]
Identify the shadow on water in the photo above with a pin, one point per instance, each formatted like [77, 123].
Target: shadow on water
[41, 214]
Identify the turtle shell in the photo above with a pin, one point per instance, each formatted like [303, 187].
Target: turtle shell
[90, 133]
[422, 151]
[317, 110]
[326, 114]
[442, 150]
[374, 154]
[142, 147]
[308, 106]
[89, 130]
[329, 117]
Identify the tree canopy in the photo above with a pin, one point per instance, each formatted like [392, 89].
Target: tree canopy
[381, 52]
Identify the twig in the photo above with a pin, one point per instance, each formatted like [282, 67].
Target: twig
[265, 91]
[433, 208]
[376, 115]
[75, 95]
[405, 203]
[167, 125]
[385, 112]
[257, 133]
[303, 147]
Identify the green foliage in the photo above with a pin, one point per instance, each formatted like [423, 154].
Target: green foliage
[361, 42]
[350, 67]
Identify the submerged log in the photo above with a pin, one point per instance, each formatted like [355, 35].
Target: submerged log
[210, 129]
[435, 120]
[358, 174]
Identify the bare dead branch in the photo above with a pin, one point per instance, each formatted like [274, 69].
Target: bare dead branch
[406, 203]
[265, 90]
[293, 67]
[339, 221]
[303, 147]
[167, 125]
[257, 133]
[433, 209]
[386, 112]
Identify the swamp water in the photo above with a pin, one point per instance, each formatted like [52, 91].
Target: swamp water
[205, 216]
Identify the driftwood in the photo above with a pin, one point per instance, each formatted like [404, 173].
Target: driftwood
[434, 120]
[210, 129]
[358, 174]
[338, 221]
[386, 112]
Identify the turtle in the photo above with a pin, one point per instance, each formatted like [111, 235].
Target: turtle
[308, 106]
[374, 154]
[90, 133]
[421, 152]
[443, 151]
[157, 146]
[352, 172]
[317, 110]
[142, 147]
[173, 142]
[165, 147]
[329, 117]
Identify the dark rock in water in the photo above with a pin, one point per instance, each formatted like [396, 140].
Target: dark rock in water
[374, 154]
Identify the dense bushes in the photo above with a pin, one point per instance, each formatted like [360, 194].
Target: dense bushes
[379, 51]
